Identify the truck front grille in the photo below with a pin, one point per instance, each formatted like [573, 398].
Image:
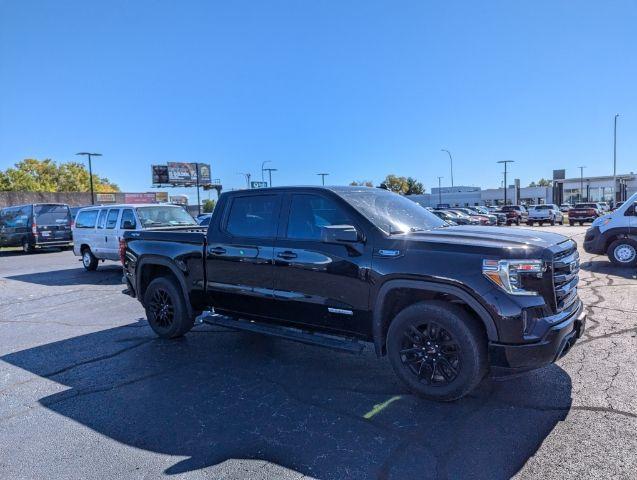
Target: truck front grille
[565, 275]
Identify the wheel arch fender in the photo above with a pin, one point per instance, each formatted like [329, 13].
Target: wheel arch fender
[617, 233]
[379, 320]
[152, 261]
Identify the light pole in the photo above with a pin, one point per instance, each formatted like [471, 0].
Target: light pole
[439, 191]
[270, 170]
[263, 169]
[505, 177]
[323, 175]
[90, 171]
[581, 183]
[450, 161]
[247, 177]
[615, 161]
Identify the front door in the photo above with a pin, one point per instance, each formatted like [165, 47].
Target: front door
[239, 256]
[316, 283]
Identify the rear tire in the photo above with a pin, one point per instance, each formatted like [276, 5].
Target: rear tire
[26, 246]
[581, 223]
[438, 350]
[517, 221]
[553, 222]
[166, 308]
[623, 252]
[89, 261]
[530, 224]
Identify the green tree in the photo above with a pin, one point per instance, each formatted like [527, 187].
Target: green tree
[542, 182]
[208, 205]
[361, 183]
[414, 187]
[31, 175]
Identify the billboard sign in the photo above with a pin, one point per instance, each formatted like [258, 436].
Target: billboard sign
[105, 197]
[140, 198]
[160, 174]
[182, 173]
[559, 174]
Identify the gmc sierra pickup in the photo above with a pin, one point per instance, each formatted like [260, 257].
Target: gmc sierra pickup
[354, 264]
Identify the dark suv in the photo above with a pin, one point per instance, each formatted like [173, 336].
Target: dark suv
[36, 225]
[351, 264]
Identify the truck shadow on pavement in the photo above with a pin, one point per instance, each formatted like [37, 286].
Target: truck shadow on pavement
[217, 394]
[104, 275]
[605, 267]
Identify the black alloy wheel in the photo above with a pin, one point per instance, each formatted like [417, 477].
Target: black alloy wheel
[166, 308]
[431, 353]
[162, 308]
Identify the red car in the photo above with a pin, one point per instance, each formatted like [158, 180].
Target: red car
[584, 212]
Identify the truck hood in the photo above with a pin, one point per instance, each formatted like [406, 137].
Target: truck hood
[491, 237]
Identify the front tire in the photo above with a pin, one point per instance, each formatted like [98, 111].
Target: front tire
[623, 252]
[27, 247]
[166, 309]
[438, 350]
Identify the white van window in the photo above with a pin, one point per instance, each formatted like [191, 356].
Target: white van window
[111, 220]
[101, 222]
[86, 219]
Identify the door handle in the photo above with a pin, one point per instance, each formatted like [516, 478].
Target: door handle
[287, 255]
[217, 250]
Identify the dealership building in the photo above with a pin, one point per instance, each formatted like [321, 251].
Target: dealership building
[563, 190]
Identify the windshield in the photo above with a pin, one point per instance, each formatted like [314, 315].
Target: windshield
[391, 212]
[164, 216]
[510, 209]
[586, 205]
[544, 207]
[52, 214]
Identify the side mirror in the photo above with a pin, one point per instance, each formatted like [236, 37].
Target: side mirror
[339, 234]
[128, 225]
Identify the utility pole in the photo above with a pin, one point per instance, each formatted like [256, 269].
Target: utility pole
[247, 177]
[263, 169]
[90, 171]
[197, 183]
[439, 191]
[270, 170]
[450, 161]
[581, 183]
[505, 177]
[323, 175]
[615, 162]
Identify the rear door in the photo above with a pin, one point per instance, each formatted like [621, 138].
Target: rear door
[320, 284]
[239, 255]
[53, 223]
[98, 235]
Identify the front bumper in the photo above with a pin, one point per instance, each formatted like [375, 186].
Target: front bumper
[557, 341]
[594, 241]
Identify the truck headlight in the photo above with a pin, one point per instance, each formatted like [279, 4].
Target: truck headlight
[509, 274]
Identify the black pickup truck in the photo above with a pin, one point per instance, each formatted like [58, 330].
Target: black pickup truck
[447, 304]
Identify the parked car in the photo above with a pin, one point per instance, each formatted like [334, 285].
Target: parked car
[36, 225]
[462, 218]
[450, 219]
[515, 214]
[565, 207]
[605, 207]
[204, 219]
[549, 213]
[478, 219]
[445, 304]
[476, 210]
[583, 212]
[617, 205]
[98, 230]
[613, 234]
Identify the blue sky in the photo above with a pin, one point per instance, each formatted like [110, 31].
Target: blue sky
[355, 88]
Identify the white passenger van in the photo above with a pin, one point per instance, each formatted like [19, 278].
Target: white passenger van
[98, 229]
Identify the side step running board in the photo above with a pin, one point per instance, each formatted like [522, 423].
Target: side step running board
[333, 342]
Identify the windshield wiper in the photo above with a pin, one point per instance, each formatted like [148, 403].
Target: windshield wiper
[396, 232]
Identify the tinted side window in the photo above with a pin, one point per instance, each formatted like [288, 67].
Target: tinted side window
[128, 216]
[308, 213]
[101, 222]
[111, 220]
[17, 217]
[86, 219]
[253, 216]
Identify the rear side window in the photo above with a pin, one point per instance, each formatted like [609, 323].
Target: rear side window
[253, 216]
[16, 217]
[111, 219]
[128, 216]
[101, 221]
[52, 214]
[309, 213]
[86, 219]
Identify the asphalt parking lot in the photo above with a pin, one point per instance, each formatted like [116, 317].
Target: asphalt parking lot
[88, 391]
